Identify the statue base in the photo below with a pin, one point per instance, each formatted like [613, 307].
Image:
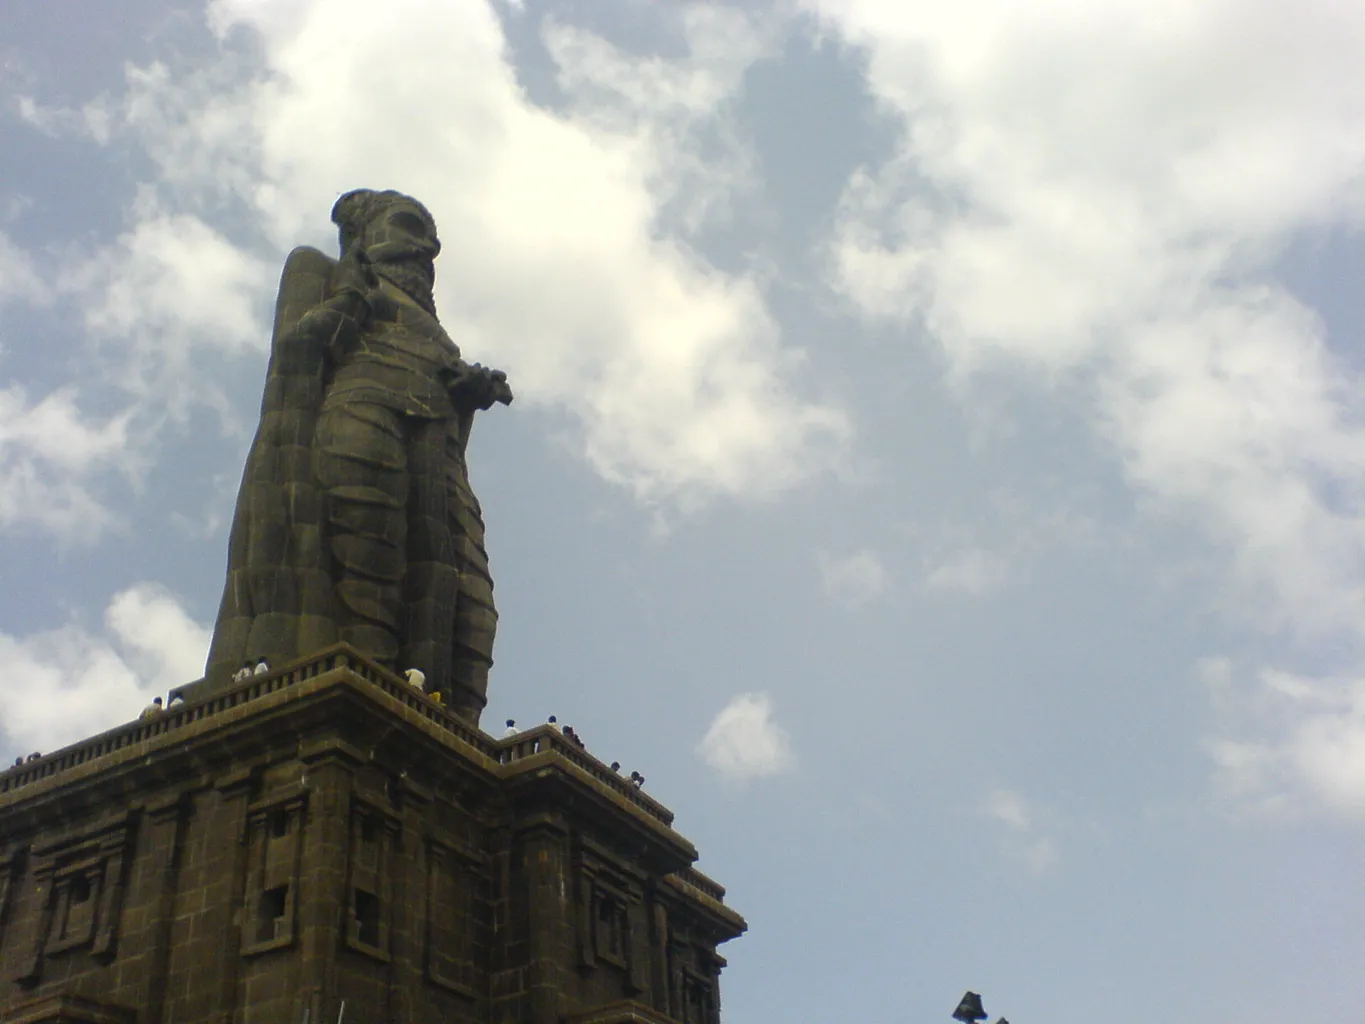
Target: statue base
[322, 843]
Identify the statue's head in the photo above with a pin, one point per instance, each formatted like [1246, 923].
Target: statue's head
[392, 227]
[398, 235]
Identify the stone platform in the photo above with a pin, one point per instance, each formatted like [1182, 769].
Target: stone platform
[325, 843]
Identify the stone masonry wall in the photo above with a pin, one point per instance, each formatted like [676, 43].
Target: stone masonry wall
[331, 840]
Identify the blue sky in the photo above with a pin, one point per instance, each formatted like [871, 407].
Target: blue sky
[937, 461]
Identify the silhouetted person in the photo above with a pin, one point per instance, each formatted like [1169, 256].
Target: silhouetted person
[262, 667]
[153, 709]
[511, 729]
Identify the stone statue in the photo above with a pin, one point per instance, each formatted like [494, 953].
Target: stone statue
[355, 520]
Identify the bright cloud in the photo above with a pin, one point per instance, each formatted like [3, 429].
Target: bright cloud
[1100, 191]
[1286, 743]
[744, 742]
[1022, 838]
[972, 571]
[69, 683]
[51, 455]
[170, 284]
[19, 278]
[854, 579]
[565, 257]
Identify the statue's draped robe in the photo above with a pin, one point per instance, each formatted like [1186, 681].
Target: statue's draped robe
[291, 586]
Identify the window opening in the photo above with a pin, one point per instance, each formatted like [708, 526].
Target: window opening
[271, 913]
[367, 917]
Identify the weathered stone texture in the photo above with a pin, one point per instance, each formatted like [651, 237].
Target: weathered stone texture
[355, 520]
[327, 834]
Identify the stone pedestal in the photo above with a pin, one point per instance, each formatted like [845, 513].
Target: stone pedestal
[324, 842]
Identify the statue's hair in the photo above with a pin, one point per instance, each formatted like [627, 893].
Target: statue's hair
[354, 211]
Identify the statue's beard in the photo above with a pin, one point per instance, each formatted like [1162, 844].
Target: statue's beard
[415, 277]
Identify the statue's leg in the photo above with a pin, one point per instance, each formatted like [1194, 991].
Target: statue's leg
[360, 464]
[432, 581]
[476, 618]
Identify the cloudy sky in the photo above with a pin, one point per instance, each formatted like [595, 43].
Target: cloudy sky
[938, 461]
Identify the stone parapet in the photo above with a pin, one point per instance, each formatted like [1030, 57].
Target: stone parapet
[326, 834]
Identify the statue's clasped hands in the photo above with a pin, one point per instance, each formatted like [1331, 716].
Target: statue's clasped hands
[478, 387]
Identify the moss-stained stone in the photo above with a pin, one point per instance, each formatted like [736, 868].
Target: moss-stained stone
[355, 520]
[325, 833]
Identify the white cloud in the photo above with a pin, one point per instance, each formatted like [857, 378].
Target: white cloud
[168, 285]
[93, 119]
[1099, 192]
[1003, 538]
[51, 459]
[157, 636]
[855, 579]
[743, 742]
[19, 277]
[973, 571]
[66, 684]
[564, 260]
[1286, 743]
[1045, 211]
[1022, 839]
[678, 112]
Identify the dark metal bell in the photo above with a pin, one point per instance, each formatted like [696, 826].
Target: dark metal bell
[969, 1011]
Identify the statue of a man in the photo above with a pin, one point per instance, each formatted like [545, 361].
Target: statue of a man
[355, 521]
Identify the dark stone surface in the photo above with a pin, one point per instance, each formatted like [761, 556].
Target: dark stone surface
[325, 833]
[355, 521]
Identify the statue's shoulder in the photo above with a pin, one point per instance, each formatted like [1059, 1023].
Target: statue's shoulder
[305, 282]
[305, 262]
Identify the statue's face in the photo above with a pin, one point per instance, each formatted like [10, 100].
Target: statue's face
[401, 231]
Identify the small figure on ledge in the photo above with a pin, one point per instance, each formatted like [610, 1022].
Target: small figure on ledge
[151, 710]
[416, 677]
[637, 780]
[511, 729]
[616, 767]
[262, 667]
[554, 724]
[243, 673]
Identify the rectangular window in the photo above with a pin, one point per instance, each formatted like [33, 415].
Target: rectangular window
[609, 927]
[365, 910]
[270, 913]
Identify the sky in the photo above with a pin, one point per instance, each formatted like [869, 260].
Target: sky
[938, 458]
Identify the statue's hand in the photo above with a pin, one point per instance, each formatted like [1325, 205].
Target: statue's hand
[355, 276]
[480, 388]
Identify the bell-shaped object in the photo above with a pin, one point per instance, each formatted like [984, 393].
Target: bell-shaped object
[969, 1011]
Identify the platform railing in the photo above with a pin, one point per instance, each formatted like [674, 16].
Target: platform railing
[180, 715]
[548, 739]
[697, 880]
[539, 740]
